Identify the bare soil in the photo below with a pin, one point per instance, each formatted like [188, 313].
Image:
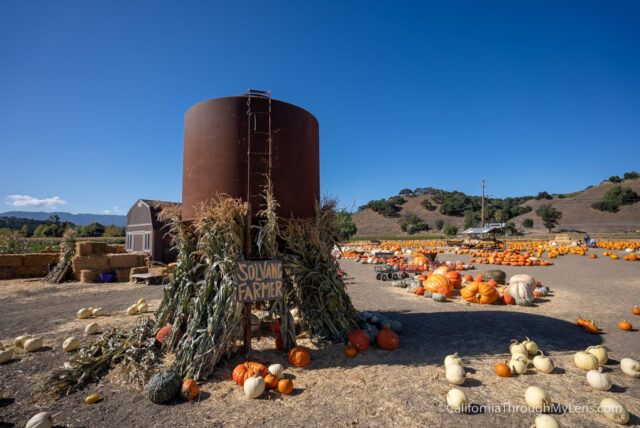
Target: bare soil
[376, 388]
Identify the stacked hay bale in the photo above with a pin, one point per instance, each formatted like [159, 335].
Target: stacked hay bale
[94, 258]
[26, 265]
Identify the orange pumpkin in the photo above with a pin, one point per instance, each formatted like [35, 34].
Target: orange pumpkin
[625, 325]
[503, 370]
[285, 386]
[492, 282]
[190, 389]
[387, 339]
[468, 278]
[246, 370]
[635, 310]
[299, 356]
[507, 299]
[350, 351]
[455, 278]
[479, 277]
[419, 291]
[591, 328]
[270, 381]
[359, 339]
[442, 270]
[479, 292]
[436, 282]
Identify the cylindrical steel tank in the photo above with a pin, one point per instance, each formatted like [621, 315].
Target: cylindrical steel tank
[216, 135]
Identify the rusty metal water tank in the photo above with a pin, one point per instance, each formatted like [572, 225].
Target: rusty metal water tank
[217, 133]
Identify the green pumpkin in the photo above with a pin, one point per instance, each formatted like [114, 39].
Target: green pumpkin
[497, 275]
[396, 326]
[428, 293]
[542, 290]
[523, 301]
[163, 387]
[439, 297]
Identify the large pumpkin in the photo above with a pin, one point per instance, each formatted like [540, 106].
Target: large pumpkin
[455, 278]
[521, 288]
[479, 292]
[299, 356]
[359, 340]
[437, 282]
[442, 270]
[246, 370]
[387, 339]
[163, 387]
[496, 274]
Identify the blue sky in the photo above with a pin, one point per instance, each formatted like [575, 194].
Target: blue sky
[532, 96]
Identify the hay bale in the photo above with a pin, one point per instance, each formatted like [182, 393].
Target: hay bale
[122, 275]
[88, 275]
[116, 249]
[5, 273]
[134, 270]
[94, 262]
[161, 271]
[124, 260]
[99, 248]
[9, 260]
[39, 259]
[87, 248]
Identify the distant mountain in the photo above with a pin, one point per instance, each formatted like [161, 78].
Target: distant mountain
[77, 219]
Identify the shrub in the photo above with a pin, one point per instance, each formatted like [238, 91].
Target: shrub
[631, 175]
[426, 204]
[615, 179]
[527, 222]
[550, 216]
[450, 230]
[11, 242]
[439, 224]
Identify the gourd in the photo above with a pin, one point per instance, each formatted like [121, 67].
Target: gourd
[543, 364]
[6, 355]
[625, 325]
[396, 326]
[517, 348]
[140, 302]
[91, 328]
[97, 312]
[497, 275]
[84, 313]
[359, 340]
[546, 421]
[40, 420]
[132, 310]
[456, 399]
[614, 410]
[452, 359]
[521, 289]
[537, 398]
[437, 297]
[93, 398]
[254, 386]
[33, 345]
[70, 344]
[277, 370]
[350, 351]
[599, 380]
[630, 367]
[543, 291]
[299, 356]
[600, 352]
[19, 342]
[517, 366]
[285, 386]
[372, 332]
[163, 387]
[142, 308]
[455, 374]
[532, 347]
[387, 339]
[189, 390]
[585, 361]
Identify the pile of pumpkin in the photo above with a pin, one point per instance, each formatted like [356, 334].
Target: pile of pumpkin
[511, 258]
[377, 329]
[535, 397]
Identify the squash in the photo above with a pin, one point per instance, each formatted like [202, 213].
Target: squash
[141, 302]
[455, 374]
[299, 356]
[33, 345]
[625, 325]
[359, 340]
[479, 292]
[285, 386]
[585, 361]
[350, 351]
[189, 390]
[254, 386]
[497, 275]
[6, 355]
[388, 340]
[396, 326]
[521, 289]
[614, 410]
[543, 364]
[70, 344]
[83, 313]
[19, 342]
[436, 283]
[163, 387]
[142, 308]
[600, 352]
[630, 367]
[372, 332]
[502, 369]
[244, 371]
[277, 370]
[93, 398]
[162, 334]
[91, 328]
[599, 380]
[437, 297]
[132, 310]
[96, 312]
[455, 278]
[40, 420]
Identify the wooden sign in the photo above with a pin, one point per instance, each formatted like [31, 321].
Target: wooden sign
[260, 280]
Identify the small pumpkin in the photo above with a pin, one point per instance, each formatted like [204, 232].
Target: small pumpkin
[350, 351]
[142, 308]
[6, 355]
[141, 302]
[625, 325]
[19, 341]
[502, 369]
[388, 340]
[254, 386]
[585, 361]
[437, 297]
[505, 299]
[285, 386]
[271, 381]
[96, 312]
[359, 340]
[277, 370]
[33, 345]
[91, 328]
[83, 313]
[479, 292]
[40, 420]
[497, 275]
[132, 310]
[162, 334]
[189, 390]
[163, 387]
[299, 356]
[600, 352]
[635, 310]
[93, 398]
[70, 344]
[244, 371]
[455, 278]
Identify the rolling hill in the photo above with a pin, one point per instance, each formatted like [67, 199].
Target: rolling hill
[577, 214]
[77, 219]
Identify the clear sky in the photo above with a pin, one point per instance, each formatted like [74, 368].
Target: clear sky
[531, 95]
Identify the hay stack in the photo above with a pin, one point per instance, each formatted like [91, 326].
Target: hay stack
[88, 275]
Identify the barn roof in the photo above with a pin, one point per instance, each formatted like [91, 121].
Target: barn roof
[155, 207]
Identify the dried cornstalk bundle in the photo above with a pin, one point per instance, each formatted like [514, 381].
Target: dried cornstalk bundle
[68, 249]
[319, 293]
[131, 351]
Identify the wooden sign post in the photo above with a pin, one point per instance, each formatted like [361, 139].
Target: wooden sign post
[258, 281]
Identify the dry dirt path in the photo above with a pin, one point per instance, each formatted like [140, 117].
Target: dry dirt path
[405, 387]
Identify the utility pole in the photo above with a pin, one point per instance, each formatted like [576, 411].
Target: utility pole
[482, 209]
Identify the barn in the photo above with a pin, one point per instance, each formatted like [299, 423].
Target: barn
[146, 233]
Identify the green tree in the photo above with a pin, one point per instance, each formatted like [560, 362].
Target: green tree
[91, 230]
[500, 216]
[405, 192]
[616, 197]
[427, 205]
[24, 230]
[11, 242]
[615, 179]
[510, 227]
[450, 230]
[549, 215]
[346, 226]
[543, 195]
[527, 222]
[471, 219]
[113, 231]
[631, 175]
[439, 224]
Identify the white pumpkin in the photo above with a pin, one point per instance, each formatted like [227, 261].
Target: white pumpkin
[630, 367]
[452, 359]
[33, 345]
[517, 366]
[132, 310]
[70, 344]
[521, 287]
[91, 328]
[600, 352]
[141, 301]
[456, 399]
[599, 380]
[517, 348]
[455, 374]
[84, 313]
[97, 312]
[614, 410]
[585, 361]
[6, 355]
[546, 421]
[41, 420]
[537, 398]
[543, 364]
[254, 386]
[19, 342]
[277, 370]
[532, 347]
[142, 308]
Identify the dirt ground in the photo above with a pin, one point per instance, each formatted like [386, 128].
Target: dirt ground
[405, 387]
